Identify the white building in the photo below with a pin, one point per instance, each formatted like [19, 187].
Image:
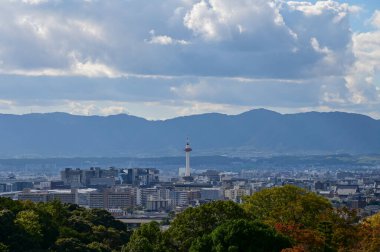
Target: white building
[214, 193]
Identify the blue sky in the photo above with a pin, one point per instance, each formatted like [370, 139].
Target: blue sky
[164, 58]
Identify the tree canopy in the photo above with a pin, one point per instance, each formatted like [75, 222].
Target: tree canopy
[287, 204]
[241, 236]
[369, 233]
[27, 226]
[307, 218]
[197, 221]
[286, 219]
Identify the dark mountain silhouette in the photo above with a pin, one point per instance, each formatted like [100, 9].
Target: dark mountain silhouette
[249, 133]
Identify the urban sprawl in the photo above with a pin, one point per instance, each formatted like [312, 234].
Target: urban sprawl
[140, 195]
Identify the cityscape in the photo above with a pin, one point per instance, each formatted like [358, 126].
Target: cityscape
[139, 195]
[190, 126]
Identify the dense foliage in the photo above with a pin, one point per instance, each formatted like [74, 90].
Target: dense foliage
[241, 235]
[196, 222]
[26, 226]
[283, 219]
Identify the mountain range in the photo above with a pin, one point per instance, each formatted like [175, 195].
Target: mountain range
[256, 132]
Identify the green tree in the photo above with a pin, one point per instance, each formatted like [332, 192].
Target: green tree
[370, 233]
[110, 237]
[11, 205]
[70, 245]
[295, 212]
[58, 212]
[3, 247]
[199, 221]
[98, 247]
[146, 238]
[104, 218]
[138, 244]
[288, 204]
[79, 223]
[6, 225]
[366, 235]
[27, 226]
[345, 229]
[29, 221]
[241, 236]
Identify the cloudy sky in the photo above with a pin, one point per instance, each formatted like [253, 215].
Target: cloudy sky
[164, 58]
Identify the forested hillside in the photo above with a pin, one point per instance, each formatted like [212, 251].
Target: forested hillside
[252, 133]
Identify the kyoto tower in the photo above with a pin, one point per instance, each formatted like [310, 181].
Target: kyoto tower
[187, 150]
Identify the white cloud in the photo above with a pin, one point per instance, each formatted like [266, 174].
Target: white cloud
[241, 38]
[191, 108]
[316, 46]
[96, 108]
[161, 40]
[320, 7]
[360, 79]
[165, 40]
[34, 2]
[77, 67]
[203, 21]
[241, 53]
[88, 28]
[90, 68]
[6, 104]
[219, 20]
[113, 110]
[375, 20]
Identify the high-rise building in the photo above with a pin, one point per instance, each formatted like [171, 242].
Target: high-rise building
[179, 198]
[21, 185]
[110, 200]
[96, 200]
[77, 178]
[141, 176]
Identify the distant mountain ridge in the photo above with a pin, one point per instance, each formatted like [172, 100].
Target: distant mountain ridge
[250, 133]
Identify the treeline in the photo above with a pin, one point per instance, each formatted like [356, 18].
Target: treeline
[27, 226]
[279, 219]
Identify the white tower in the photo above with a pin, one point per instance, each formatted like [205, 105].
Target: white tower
[187, 150]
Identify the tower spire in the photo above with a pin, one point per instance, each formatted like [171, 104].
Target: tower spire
[187, 151]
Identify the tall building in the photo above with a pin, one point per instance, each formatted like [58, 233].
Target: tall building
[187, 151]
[77, 178]
[71, 177]
[5, 187]
[21, 185]
[147, 194]
[110, 200]
[96, 200]
[118, 200]
[141, 176]
[179, 198]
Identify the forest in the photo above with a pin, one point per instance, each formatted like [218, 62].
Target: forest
[283, 219]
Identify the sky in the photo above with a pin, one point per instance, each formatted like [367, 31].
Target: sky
[161, 59]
